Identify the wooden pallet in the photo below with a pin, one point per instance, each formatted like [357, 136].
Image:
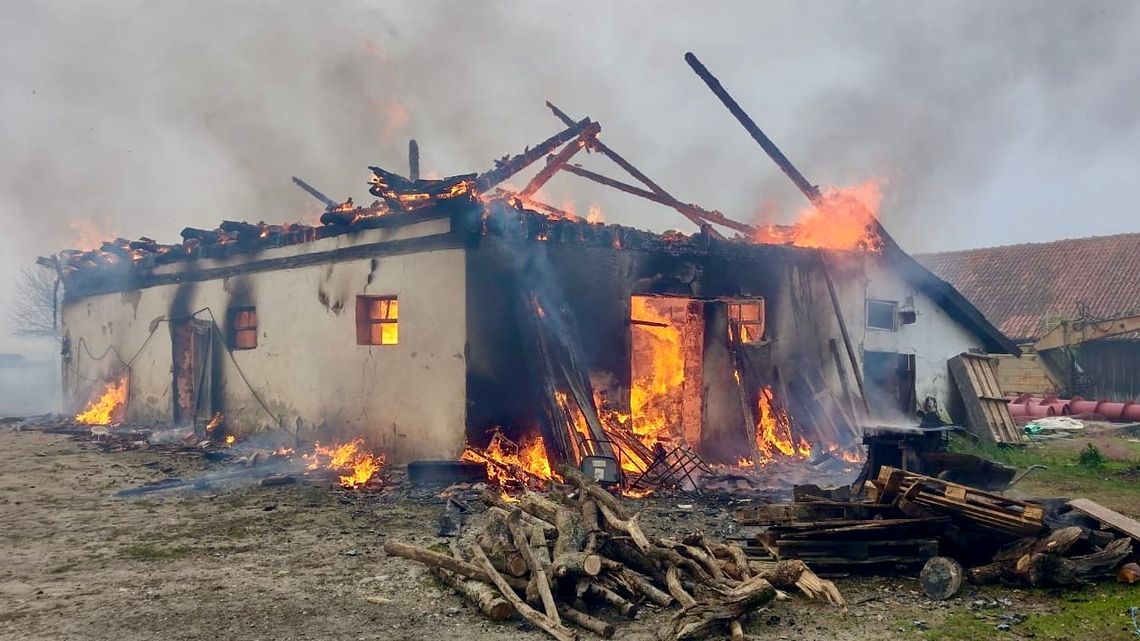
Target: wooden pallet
[856, 530]
[785, 513]
[832, 553]
[982, 509]
[987, 411]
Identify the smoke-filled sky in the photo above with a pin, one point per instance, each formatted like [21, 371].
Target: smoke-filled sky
[990, 123]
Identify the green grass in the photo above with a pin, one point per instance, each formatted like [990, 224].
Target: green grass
[1096, 612]
[153, 553]
[1112, 481]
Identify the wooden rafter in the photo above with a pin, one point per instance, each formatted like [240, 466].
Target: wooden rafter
[557, 161]
[515, 164]
[697, 214]
[694, 214]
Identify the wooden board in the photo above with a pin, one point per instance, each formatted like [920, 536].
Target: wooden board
[1111, 518]
[983, 509]
[987, 411]
[831, 552]
[786, 513]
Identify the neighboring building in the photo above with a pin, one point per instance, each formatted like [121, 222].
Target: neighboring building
[410, 328]
[1026, 290]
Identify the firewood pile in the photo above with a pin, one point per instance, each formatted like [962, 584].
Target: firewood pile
[907, 520]
[585, 562]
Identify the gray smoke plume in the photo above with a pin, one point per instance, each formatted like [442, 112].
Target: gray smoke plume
[992, 122]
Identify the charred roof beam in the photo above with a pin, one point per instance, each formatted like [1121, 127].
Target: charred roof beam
[690, 212]
[515, 164]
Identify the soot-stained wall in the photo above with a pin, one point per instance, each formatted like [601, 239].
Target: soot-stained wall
[406, 399]
[595, 284]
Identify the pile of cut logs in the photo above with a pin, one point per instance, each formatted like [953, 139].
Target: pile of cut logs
[585, 561]
[910, 519]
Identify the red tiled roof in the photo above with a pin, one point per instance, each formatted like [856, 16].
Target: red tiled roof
[1025, 289]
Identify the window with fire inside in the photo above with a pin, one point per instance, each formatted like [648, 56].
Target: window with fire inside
[747, 319]
[243, 327]
[377, 320]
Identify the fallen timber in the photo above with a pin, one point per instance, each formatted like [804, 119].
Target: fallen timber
[711, 586]
[959, 533]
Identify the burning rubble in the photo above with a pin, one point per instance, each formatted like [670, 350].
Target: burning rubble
[354, 464]
[843, 219]
[108, 408]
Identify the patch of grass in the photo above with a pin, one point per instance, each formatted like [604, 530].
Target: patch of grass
[1091, 458]
[1112, 484]
[961, 626]
[153, 553]
[1095, 612]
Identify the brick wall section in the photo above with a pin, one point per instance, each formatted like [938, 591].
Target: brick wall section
[1024, 374]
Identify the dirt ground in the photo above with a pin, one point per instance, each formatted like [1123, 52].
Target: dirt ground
[306, 562]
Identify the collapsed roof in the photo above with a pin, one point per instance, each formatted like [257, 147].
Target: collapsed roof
[401, 198]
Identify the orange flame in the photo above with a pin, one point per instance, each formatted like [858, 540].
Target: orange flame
[774, 431]
[106, 409]
[505, 459]
[844, 219]
[652, 397]
[847, 455]
[351, 457]
[215, 421]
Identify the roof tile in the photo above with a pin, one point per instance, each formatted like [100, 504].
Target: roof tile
[1025, 289]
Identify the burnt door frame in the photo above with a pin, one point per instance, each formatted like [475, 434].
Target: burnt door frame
[191, 342]
[889, 378]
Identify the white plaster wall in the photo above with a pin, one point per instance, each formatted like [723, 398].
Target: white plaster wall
[408, 399]
[934, 338]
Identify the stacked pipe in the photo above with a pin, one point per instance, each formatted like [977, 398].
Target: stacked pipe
[1027, 406]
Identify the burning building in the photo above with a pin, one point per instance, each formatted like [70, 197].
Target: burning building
[449, 308]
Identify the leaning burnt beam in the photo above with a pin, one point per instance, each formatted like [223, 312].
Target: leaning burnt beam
[312, 191]
[692, 212]
[557, 161]
[665, 199]
[517, 163]
[785, 165]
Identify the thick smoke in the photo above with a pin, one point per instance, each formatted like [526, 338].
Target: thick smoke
[992, 122]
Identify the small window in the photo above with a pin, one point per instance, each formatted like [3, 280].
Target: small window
[377, 320]
[748, 318]
[882, 314]
[243, 327]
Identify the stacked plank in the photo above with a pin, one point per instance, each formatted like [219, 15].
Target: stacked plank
[916, 494]
[585, 562]
[841, 536]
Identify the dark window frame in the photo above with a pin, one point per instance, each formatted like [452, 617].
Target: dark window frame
[894, 315]
[752, 331]
[365, 322]
[239, 327]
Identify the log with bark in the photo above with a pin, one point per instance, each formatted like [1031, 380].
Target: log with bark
[1043, 561]
[703, 616]
[586, 561]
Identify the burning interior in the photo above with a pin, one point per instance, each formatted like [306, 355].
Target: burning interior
[456, 319]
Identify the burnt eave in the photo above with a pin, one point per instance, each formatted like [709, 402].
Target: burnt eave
[950, 299]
